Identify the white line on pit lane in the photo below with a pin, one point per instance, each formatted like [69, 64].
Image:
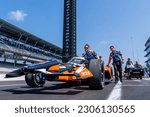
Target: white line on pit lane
[139, 80]
[146, 79]
[135, 85]
[116, 92]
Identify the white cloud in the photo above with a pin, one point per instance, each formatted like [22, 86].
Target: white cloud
[17, 15]
[103, 42]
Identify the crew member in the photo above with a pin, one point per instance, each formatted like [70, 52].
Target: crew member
[129, 64]
[137, 65]
[117, 58]
[89, 54]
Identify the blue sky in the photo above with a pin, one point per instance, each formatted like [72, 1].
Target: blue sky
[100, 23]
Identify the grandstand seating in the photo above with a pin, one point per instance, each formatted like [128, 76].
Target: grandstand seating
[23, 49]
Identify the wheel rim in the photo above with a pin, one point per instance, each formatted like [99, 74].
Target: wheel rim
[39, 80]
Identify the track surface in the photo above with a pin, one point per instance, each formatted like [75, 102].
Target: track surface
[129, 90]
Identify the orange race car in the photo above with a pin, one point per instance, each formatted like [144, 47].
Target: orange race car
[77, 69]
[108, 74]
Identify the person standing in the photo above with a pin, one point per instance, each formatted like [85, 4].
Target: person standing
[89, 54]
[137, 65]
[118, 60]
[129, 64]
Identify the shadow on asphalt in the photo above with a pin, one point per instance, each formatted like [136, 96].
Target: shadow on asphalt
[82, 88]
[45, 90]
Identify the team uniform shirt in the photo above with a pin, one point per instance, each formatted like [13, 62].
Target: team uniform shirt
[116, 56]
[90, 55]
[129, 64]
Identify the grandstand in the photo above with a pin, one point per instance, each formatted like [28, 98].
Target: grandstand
[20, 47]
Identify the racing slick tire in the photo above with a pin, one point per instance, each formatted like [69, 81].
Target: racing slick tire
[129, 77]
[35, 80]
[97, 81]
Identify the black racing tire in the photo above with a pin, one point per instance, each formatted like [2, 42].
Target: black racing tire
[129, 77]
[35, 80]
[97, 81]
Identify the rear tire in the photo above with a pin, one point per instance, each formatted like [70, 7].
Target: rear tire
[35, 80]
[129, 77]
[97, 81]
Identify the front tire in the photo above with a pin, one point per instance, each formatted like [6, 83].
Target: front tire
[97, 81]
[35, 80]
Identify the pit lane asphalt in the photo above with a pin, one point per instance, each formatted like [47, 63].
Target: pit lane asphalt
[129, 90]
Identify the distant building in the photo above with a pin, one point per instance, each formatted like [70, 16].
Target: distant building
[147, 49]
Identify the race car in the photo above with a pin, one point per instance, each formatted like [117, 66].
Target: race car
[134, 72]
[77, 69]
[108, 74]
